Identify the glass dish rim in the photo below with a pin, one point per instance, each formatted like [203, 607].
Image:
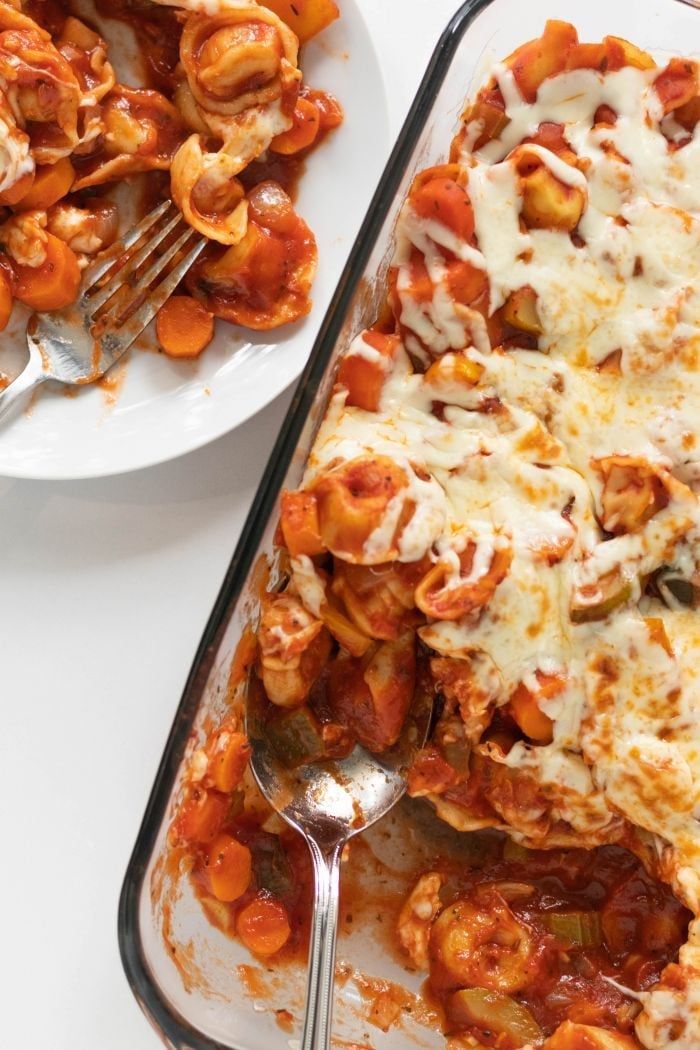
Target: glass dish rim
[169, 1023]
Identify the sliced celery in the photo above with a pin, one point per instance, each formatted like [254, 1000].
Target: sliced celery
[580, 929]
[494, 1012]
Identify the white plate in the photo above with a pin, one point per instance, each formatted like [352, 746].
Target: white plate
[161, 408]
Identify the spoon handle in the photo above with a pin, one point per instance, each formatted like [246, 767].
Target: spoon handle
[324, 930]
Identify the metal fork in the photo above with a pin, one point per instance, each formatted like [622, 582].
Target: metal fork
[78, 344]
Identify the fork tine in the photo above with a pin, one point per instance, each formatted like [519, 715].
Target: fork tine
[122, 304]
[122, 338]
[116, 251]
[121, 277]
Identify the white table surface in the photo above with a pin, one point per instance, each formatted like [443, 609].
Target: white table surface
[104, 590]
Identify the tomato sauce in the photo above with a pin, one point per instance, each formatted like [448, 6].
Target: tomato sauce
[158, 31]
[632, 924]
[632, 928]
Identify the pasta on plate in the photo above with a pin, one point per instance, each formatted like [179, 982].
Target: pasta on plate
[501, 510]
[223, 114]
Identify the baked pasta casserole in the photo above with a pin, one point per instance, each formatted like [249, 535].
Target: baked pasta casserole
[222, 123]
[500, 511]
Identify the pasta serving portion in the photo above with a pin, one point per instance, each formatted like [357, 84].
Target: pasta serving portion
[223, 114]
[501, 508]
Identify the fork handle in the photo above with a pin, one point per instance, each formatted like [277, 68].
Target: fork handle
[31, 375]
[324, 931]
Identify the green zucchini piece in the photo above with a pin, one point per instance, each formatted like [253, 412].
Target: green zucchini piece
[272, 869]
[296, 736]
[494, 1012]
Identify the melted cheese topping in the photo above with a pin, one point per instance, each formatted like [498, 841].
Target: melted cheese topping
[15, 158]
[514, 458]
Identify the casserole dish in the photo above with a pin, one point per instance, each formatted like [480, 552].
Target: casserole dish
[171, 989]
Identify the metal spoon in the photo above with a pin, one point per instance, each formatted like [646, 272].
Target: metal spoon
[329, 802]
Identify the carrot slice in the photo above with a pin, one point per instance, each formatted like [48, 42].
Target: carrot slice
[228, 764]
[539, 59]
[677, 84]
[201, 817]
[363, 376]
[299, 521]
[263, 926]
[184, 327]
[51, 183]
[306, 18]
[443, 200]
[526, 711]
[18, 190]
[230, 867]
[306, 122]
[53, 284]
[5, 299]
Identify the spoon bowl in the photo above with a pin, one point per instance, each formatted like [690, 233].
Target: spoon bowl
[329, 802]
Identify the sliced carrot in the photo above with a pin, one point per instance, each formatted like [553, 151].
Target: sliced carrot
[202, 816]
[587, 56]
[300, 527]
[445, 201]
[53, 284]
[263, 926]
[688, 114]
[15, 192]
[657, 633]
[525, 708]
[420, 287]
[490, 111]
[5, 299]
[539, 59]
[230, 867]
[306, 18]
[621, 52]
[526, 711]
[329, 109]
[465, 281]
[550, 136]
[184, 327]
[677, 84]
[228, 764]
[51, 183]
[363, 377]
[306, 121]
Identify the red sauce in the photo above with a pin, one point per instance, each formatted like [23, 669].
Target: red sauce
[288, 170]
[281, 869]
[158, 30]
[640, 923]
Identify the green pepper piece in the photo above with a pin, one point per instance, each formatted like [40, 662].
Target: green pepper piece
[580, 929]
[610, 592]
[296, 736]
[494, 1012]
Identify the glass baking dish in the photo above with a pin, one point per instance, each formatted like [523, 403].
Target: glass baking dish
[212, 995]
